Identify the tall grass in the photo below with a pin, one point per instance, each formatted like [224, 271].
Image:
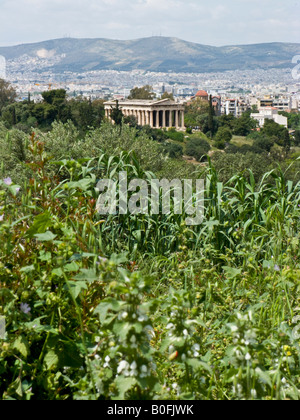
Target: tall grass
[143, 306]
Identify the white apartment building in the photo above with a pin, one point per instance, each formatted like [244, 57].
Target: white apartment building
[283, 103]
[269, 113]
[235, 107]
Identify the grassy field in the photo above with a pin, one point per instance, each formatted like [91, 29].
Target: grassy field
[240, 141]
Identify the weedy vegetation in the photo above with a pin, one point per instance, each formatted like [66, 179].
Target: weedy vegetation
[140, 306]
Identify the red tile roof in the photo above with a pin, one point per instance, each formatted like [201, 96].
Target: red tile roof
[202, 93]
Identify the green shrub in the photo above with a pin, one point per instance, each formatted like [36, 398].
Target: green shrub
[198, 148]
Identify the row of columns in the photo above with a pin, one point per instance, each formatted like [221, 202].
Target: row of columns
[155, 118]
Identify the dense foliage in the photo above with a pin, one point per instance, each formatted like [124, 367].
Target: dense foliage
[143, 306]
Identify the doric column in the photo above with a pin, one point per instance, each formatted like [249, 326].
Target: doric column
[151, 119]
[182, 119]
[143, 117]
[164, 118]
[157, 119]
[171, 118]
[176, 119]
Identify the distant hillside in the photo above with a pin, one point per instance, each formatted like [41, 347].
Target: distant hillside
[158, 54]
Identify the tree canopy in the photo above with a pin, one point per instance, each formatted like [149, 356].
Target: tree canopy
[7, 94]
[144, 92]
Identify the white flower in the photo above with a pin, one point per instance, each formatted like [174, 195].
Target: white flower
[124, 315]
[233, 328]
[253, 393]
[123, 366]
[25, 308]
[133, 366]
[248, 356]
[144, 369]
[185, 333]
[196, 347]
[170, 326]
[107, 359]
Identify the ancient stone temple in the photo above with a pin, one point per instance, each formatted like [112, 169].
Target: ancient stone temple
[163, 113]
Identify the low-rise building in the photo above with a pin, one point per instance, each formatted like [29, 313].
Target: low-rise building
[269, 113]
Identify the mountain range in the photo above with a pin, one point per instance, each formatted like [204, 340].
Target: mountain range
[157, 54]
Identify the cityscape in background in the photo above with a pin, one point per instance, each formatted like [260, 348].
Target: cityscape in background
[237, 90]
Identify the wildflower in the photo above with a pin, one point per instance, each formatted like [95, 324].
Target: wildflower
[248, 356]
[196, 349]
[185, 333]
[124, 315]
[102, 260]
[276, 267]
[1, 217]
[7, 181]
[133, 368]
[123, 366]
[144, 369]
[170, 326]
[107, 360]
[25, 308]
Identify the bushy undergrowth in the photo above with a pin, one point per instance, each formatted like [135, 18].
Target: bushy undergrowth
[144, 307]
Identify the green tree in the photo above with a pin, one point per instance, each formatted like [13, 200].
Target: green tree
[223, 136]
[198, 148]
[196, 114]
[8, 94]
[211, 114]
[272, 129]
[144, 92]
[117, 116]
[167, 95]
[264, 143]
[297, 137]
[55, 97]
[286, 141]
[244, 125]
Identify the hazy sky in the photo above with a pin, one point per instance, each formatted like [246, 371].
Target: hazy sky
[215, 22]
